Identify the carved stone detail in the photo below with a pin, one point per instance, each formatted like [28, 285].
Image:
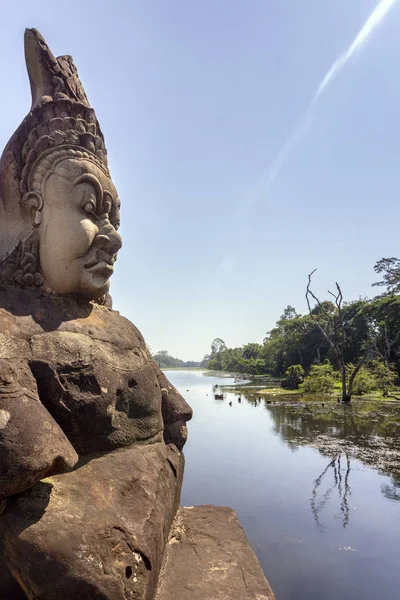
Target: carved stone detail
[60, 139]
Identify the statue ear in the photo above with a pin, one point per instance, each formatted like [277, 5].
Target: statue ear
[34, 203]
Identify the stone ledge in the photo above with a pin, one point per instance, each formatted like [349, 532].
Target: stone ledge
[208, 557]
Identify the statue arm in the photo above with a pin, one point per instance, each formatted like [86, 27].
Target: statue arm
[175, 411]
[32, 445]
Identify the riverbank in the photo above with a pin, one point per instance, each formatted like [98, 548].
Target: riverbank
[290, 395]
[182, 368]
[283, 394]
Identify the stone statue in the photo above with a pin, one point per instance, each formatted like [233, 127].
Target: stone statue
[79, 390]
[91, 431]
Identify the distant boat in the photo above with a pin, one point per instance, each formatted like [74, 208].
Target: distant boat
[219, 396]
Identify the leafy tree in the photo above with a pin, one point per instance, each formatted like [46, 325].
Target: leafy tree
[230, 360]
[205, 360]
[390, 270]
[293, 341]
[385, 376]
[382, 315]
[289, 313]
[252, 366]
[325, 307]
[217, 345]
[297, 369]
[294, 376]
[251, 350]
[364, 382]
[320, 380]
[165, 361]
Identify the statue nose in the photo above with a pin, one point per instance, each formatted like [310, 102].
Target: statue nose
[109, 240]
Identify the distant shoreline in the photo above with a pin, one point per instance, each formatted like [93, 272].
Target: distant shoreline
[183, 369]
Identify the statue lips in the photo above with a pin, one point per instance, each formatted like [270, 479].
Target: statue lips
[102, 262]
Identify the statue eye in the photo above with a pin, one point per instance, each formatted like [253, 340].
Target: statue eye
[107, 206]
[89, 207]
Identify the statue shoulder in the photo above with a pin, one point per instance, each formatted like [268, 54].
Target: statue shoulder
[117, 328]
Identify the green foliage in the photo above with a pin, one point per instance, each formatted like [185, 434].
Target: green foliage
[295, 369]
[364, 381]
[384, 375]
[252, 366]
[205, 361]
[217, 346]
[320, 380]
[297, 340]
[294, 377]
[165, 361]
[251, 351]
[293, 341]
[289, 313]
[390, 270]
[382, 316]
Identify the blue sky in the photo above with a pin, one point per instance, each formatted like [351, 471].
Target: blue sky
[196, 101]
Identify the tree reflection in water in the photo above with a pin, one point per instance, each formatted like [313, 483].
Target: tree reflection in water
[340, 483]
[392, 491]
[367, 431]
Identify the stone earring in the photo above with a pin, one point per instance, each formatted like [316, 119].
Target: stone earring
[36, 218]
[27, 274]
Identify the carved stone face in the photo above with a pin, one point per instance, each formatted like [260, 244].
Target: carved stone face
[78, 239]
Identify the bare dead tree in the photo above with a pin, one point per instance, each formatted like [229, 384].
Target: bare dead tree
[334, 330]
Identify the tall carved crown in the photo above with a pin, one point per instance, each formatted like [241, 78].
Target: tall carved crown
[60, 121]
[60, 115]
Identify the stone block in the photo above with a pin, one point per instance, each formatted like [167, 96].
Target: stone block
[208, 557]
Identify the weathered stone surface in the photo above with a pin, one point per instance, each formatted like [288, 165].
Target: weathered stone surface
[32, 445]
[98, 532]
[93, 370]
[209, 558]
[9, 588]
[175, 413]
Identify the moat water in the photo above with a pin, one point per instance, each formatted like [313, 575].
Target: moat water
[323, 524]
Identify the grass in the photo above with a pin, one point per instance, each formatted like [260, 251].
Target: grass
[292, 394]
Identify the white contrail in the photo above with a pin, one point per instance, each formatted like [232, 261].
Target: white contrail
[370, 24]
[376, 17]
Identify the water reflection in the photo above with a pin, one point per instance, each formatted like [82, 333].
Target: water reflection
[340, 484]
[310, 509]
[392, 491]
[367, 431]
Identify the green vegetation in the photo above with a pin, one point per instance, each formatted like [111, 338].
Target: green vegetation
[165, 361]
[320, 379]
[294, 377]
[352, 347]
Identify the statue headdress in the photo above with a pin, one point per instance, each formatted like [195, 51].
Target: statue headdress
[60, 116]
[60, 123]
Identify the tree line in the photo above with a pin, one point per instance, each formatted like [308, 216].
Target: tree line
[352, 338]
[165, 361]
